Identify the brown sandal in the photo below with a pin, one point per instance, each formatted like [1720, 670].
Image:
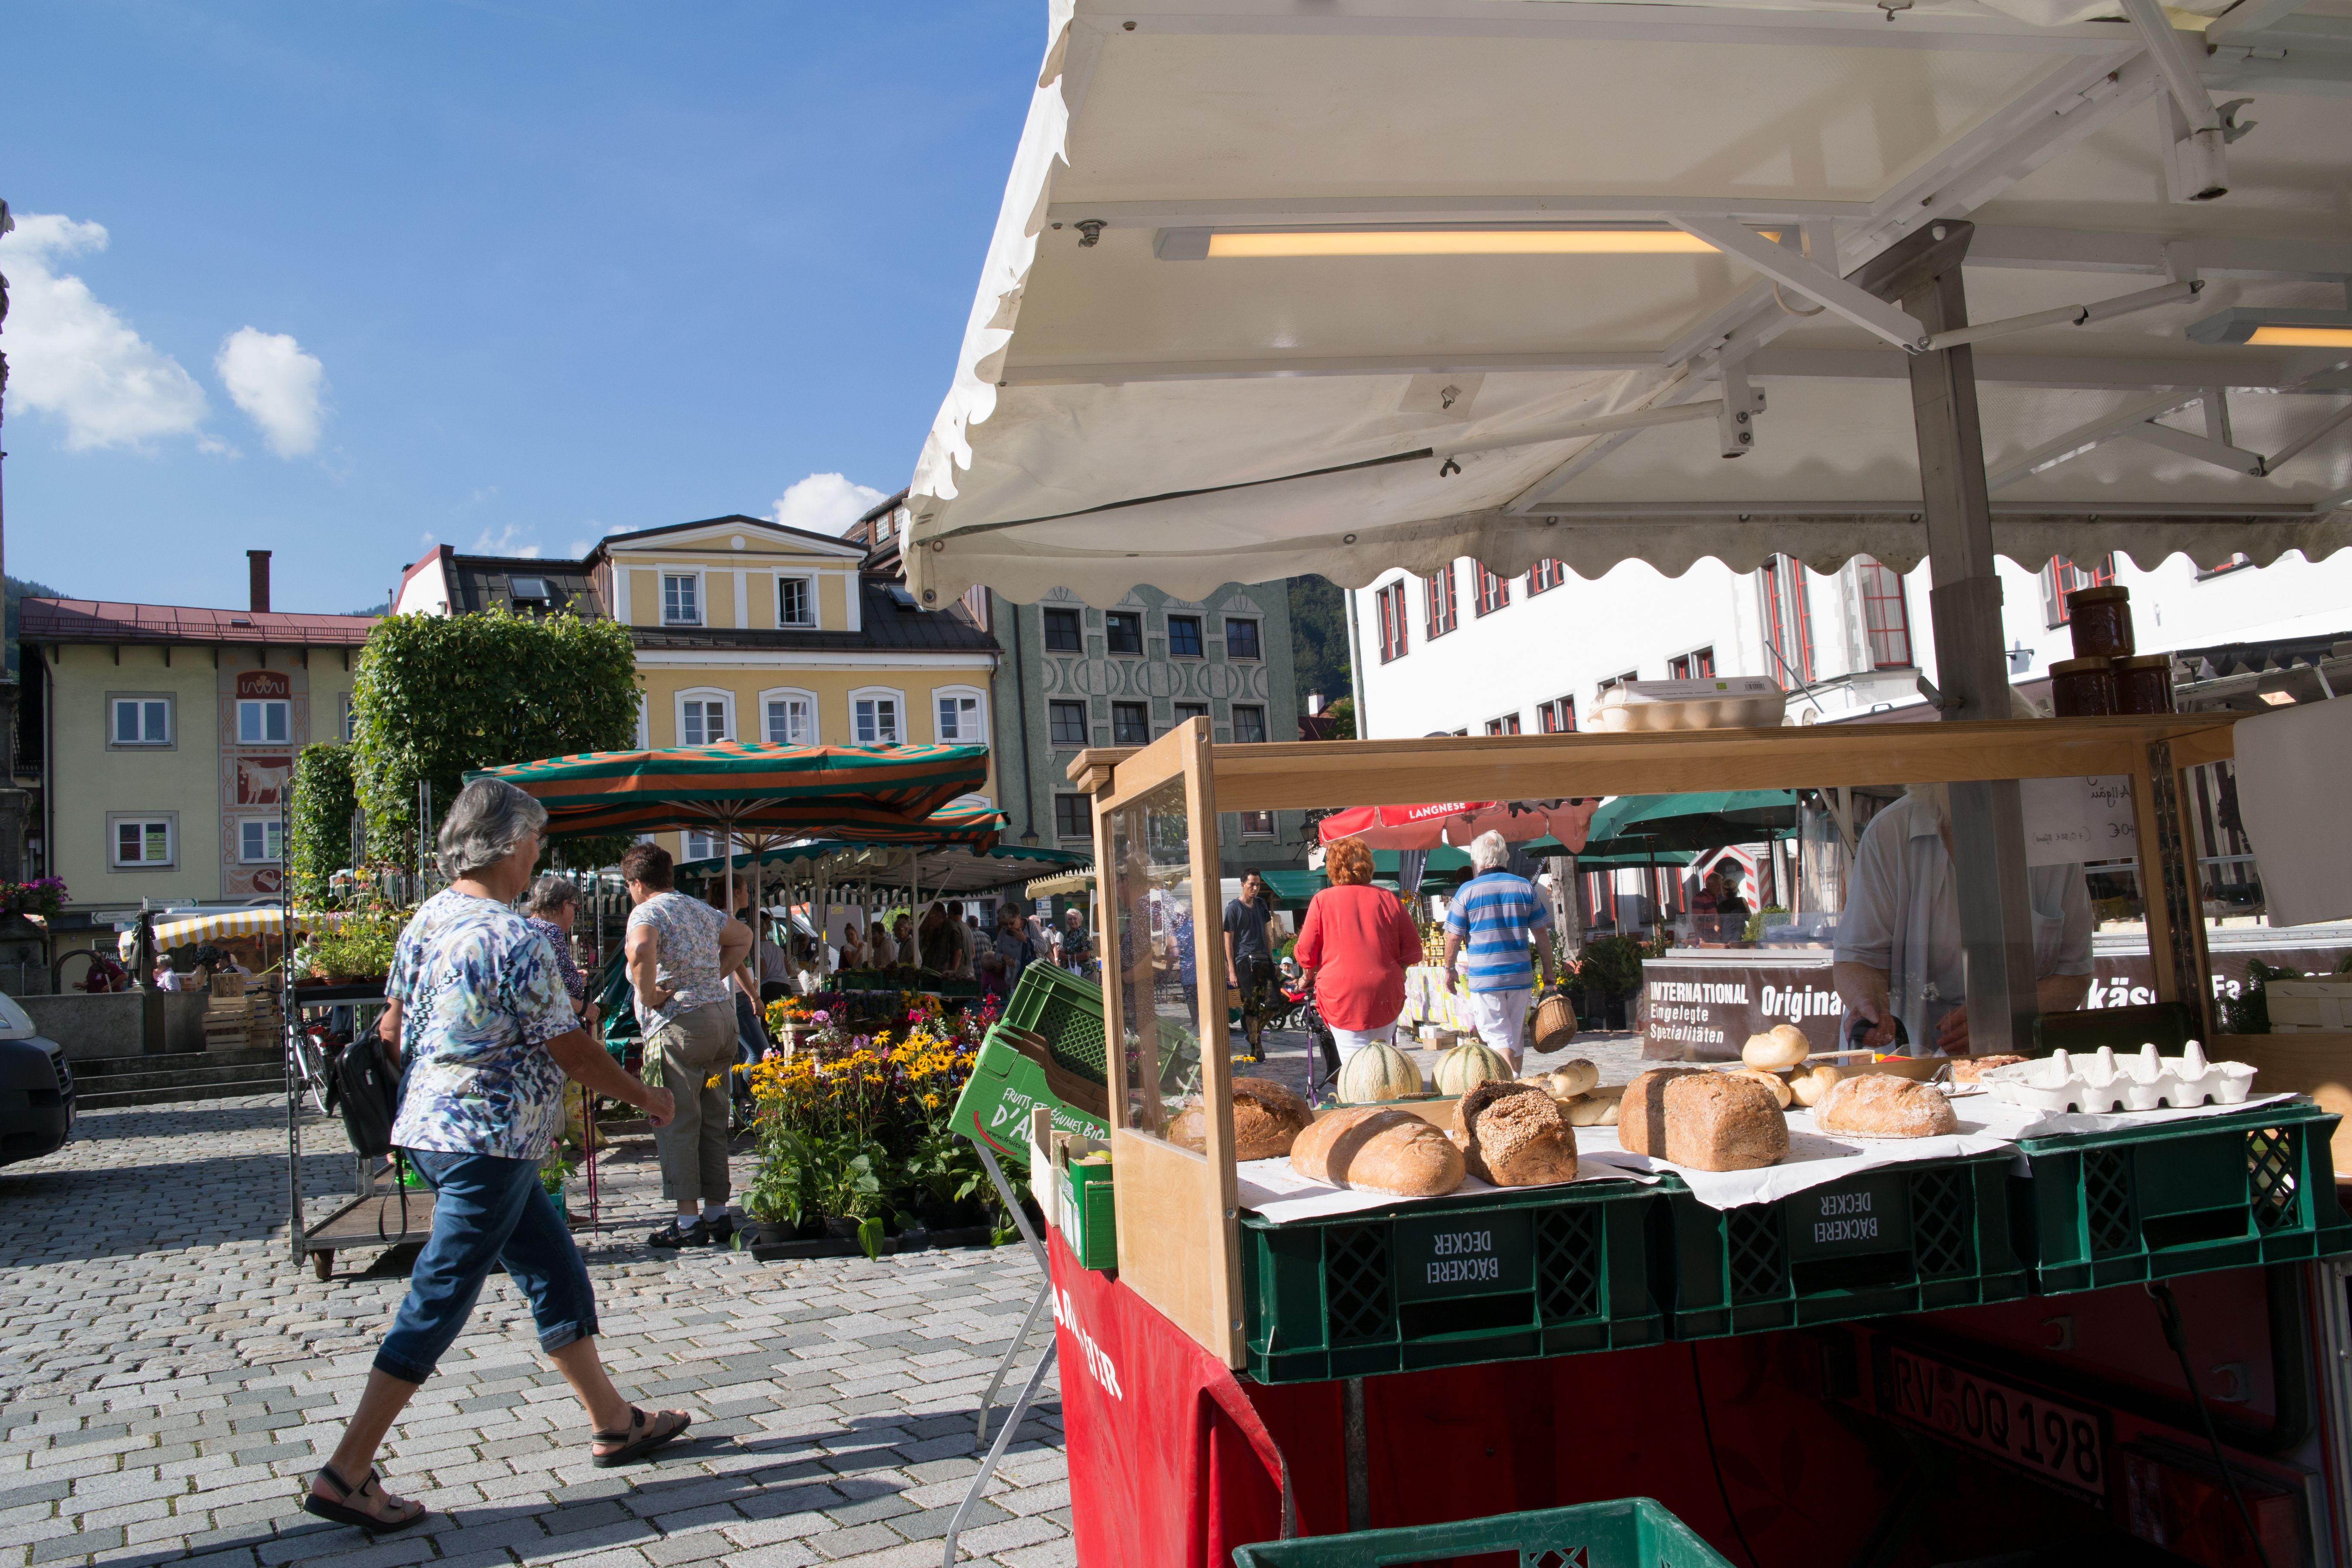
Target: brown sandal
[642, 1437]
[344, 1513]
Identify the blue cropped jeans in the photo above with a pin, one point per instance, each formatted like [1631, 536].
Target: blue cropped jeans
[486, 1210]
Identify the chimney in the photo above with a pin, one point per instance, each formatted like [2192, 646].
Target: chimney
[258, 566]
[1314, 703]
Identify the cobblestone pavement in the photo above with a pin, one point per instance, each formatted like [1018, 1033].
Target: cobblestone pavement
[169, 1378]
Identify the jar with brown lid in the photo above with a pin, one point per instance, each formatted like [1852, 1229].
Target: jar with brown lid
[2083, 688]
[2144, 683]
[2101, 620]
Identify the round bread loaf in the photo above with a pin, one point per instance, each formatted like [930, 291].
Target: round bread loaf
[1880, 1105]
[1969, 1069]
[1266, 1116]
[1774, 1082]
[1781, 1046]
[1722, 1122]
[1808, 1087]
[1380, 1148]
[1513, 1136]
[1572, 1079]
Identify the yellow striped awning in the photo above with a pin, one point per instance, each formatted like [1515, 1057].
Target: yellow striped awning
[225, 925]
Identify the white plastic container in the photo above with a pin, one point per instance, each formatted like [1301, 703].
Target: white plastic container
[1716, 702]
[2107, 1082]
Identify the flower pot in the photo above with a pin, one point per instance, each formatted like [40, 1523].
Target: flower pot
[768, 1233]
[840, 1227]
[937, 1216]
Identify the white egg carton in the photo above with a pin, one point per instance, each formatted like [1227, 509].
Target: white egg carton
[2107, 1083]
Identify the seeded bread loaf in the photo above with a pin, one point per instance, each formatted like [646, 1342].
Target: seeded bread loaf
[1380, 1148]
[1642, 1115]
[1723, 1121]
[1880, 1105]
[1513, 1136]
[1267, 1117]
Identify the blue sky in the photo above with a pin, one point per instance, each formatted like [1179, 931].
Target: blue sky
[509, 274]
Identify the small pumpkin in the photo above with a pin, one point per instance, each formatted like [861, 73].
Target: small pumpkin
[1379, 1071]
[1468, 1065]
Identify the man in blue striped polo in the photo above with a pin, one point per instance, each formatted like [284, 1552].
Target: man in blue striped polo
[1494, 920]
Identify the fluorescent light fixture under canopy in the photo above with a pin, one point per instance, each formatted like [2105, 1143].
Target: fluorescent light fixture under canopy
[2274, 328]
[1419, 240]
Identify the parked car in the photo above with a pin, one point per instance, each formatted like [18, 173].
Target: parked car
[37, 1088]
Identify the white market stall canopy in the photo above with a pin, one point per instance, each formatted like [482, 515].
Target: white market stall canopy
[1334, 286]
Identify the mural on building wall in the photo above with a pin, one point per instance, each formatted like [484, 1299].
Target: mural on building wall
[265, 719]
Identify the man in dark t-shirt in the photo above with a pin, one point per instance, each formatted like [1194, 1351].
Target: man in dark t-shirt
[1249, 957]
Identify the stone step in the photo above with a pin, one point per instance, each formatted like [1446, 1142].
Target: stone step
[103, 1082]
[92, 1067]
[115, 1099]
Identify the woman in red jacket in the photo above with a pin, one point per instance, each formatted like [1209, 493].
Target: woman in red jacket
[1356, 945]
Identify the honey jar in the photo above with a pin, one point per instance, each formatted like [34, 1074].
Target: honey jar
[2083, 688]
[2101, 620]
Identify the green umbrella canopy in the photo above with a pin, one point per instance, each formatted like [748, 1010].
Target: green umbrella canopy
[1632, 825]
[868, 793]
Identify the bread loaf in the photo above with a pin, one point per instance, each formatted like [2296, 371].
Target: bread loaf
[1723, 1121]
[1380, 1148]
[1641, 1116]
[1571, 1078]
[1774, 1084]
[1513, 1136]
[1809, 1087]
[1970, 1069]
[1880, 1105]
[1781, 1046]
[1598, 1108]
[1267, 1117]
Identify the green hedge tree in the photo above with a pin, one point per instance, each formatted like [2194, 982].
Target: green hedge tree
[437, 697]
[326, 798]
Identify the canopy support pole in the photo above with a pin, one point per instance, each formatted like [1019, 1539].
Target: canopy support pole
[1923, 272]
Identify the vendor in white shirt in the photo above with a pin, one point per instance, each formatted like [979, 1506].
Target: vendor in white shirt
[1898, 941]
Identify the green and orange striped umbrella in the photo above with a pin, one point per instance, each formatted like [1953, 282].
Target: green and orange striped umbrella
[874, 794]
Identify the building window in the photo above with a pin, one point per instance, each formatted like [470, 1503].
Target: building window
[877, 721]
[258, 841]
[681, 602]
[959, 717]
[140, 721]
[1249, 723]
[1184, 638]
[1443, 614]
[1241, 639]
[1257, 823]
[142, 842]
[1389, 602]
[1186, 712]
[1557, 717]
[351, 719]
[1068, 721]
[1130, 724]
[1508, 724]
[702, 721]
[2061, 578]
[1123, 631]
[701, 845]
[792, 721]
[1627, 679]
[1074, 816]
[2238, 562]
[1885, 614]
[1696, 665]
[1494, 592]
[1788, 621]
[1546, 576]
[1064, 632]
[796, 602]
[262, 721]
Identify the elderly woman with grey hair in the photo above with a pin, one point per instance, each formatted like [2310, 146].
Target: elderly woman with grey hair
[1495, 919]
[490, 1037]
[551, 908]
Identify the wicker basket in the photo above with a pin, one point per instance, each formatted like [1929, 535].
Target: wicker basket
[1554, 1022]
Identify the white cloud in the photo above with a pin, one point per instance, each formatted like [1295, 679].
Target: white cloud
[578, 549]
[504, 543]
[73, 357]
[826, 503]
[276, 384]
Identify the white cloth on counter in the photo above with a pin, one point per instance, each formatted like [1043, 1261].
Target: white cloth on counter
[1272, 1189]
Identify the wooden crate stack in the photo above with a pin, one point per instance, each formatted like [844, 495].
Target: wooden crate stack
[238, 1018]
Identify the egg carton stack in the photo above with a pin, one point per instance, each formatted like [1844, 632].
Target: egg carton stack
[2107, 1083]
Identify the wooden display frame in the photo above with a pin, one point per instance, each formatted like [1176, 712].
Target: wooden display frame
[1179, 1237]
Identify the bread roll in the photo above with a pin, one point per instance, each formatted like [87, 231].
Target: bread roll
[1808, 1087]
[1267, 1117]
[1774, 1082]
[1970, 1069]
[1880, 1105]
[1572, 1079]
[1596, 1110]
[1513, 1136]
[1380, 1148]
[1642, 1119]
[1722, 1122]
[1781, 1046]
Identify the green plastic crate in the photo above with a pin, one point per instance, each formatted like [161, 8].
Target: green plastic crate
[1489, 1277]
[1900, 1238]
[1004, 1087]
[2183, 1197]
[1634, 1533]
[1067, 1012]
[1093, 1230]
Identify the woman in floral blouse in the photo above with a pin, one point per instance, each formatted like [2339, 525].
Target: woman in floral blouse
[488, 1035]
[552, 906]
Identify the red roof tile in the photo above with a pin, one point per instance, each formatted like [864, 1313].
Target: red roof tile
[94, 620]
